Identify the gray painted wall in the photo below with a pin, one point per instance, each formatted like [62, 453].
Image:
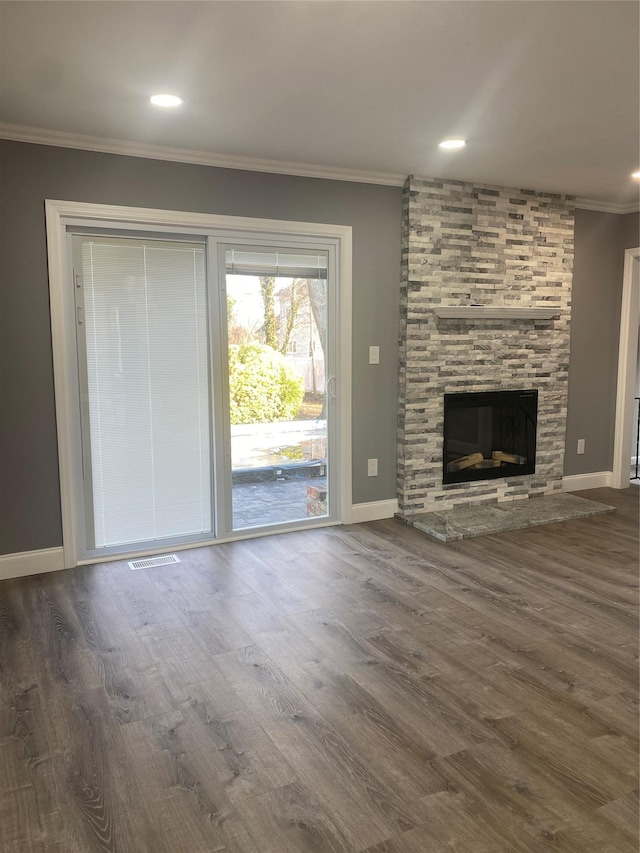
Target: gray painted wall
[630, 231]
[29, 488]
[600, 241]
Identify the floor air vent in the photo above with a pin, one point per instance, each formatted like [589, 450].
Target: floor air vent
[152, 562]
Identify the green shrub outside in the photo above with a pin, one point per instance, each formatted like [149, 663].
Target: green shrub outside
[263, 387]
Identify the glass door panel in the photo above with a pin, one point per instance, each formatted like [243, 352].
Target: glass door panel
[143, 358]
[277, 379]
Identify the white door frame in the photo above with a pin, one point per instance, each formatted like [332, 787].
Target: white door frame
[59, 214]
[627, 354]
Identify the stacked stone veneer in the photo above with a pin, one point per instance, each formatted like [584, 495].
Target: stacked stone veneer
[465, 243]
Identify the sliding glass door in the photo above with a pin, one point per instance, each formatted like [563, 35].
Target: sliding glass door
[206, 388]
[279, 412]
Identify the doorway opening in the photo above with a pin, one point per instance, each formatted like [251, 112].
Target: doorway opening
[627, 367]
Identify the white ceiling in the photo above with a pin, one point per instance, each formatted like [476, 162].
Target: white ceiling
[546, 93]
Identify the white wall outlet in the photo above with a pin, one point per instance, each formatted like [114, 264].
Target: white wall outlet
[374, 355]
[581, 442]
[372, 467]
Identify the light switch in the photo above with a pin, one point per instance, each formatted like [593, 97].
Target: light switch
[374, 355]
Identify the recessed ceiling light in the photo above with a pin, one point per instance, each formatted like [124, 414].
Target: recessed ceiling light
[451, 144]
[165, 100]
[635, 174]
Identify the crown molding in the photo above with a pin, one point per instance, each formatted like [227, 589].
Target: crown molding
[606, 206]
[61, 139]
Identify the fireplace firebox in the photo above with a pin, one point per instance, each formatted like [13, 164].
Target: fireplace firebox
[489, 434]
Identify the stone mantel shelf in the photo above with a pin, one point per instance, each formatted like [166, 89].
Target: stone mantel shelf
[472, 312]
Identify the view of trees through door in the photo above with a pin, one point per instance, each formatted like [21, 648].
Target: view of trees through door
[277, 333]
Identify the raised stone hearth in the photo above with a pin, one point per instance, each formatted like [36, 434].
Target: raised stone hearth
[465, 522]
[466, 244]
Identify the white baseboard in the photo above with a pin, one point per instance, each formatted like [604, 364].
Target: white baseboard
[373, 511]
[579, 482]
[31, 563]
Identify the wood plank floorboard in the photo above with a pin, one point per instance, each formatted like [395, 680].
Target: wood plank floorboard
[360, 689]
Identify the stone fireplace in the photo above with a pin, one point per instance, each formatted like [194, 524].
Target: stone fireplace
[510, 253]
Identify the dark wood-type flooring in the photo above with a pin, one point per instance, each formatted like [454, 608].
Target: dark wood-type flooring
[356, 688]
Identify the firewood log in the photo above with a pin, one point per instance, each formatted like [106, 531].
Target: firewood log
[513, 458]
[464, 462]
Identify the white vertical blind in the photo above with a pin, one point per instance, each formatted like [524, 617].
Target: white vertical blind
[148, 390]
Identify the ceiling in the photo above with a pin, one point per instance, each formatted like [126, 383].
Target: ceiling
[546, 93]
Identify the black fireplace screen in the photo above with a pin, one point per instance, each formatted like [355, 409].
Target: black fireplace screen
[489, 434]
